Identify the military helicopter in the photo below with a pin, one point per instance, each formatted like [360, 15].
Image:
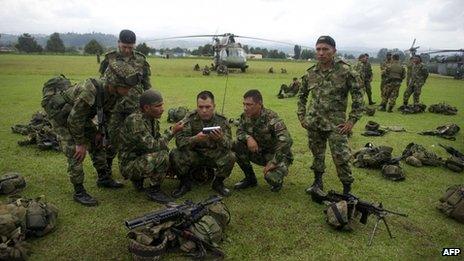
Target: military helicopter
[227, 51]
[443, 65]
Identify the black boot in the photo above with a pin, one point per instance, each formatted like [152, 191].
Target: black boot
[185, 186]
[106, 181]
[218, 186]
[249, 180]
[81, 196]
[156, 194]
[390, 108]
[138, 184]
[317, 184]
[346, 188]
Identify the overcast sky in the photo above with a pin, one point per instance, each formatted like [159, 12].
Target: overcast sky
[374, 24]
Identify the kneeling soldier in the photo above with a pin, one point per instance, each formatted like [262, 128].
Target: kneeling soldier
[144, 152]
[262, 138]
[198, 147]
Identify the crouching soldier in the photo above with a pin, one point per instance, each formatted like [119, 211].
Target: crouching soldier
[144, 151]
[197, 146]
[262, 138]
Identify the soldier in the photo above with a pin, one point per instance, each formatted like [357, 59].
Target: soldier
[77, 132]
[289, 91]
[383, 67]
[144, 151]
[126, 105]
[368, 78]
[206, 70]
[394, 75]
[262, 138]
[283, 70]
[419, 74]
[271, 70]
[329, 82]
[196, 147]
[196, 67]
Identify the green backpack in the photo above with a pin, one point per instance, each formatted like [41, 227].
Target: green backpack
[452, 203]
[372, 157]
[11, 183]
[414, 152]
[443, 108]
[53, 102]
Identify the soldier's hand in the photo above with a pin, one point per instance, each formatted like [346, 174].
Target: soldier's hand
[201, 137]
[179, 126]
[252, 144]
[216, 135]
[345, 128]
[79, 155]
[269, 167]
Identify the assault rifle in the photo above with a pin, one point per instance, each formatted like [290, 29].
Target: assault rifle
[453, 151]
[365, 208]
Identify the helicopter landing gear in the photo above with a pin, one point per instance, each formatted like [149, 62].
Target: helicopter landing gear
[243, 69]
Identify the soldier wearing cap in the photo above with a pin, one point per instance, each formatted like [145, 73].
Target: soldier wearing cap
[126, 105]
[417, 75]
[383, 72]
[78, 133]
[144, 152]
[394, 75]
[327, 85]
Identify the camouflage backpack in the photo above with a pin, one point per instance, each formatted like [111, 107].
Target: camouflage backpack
[372, 157]
[412, 109]
[177, 114]
[393, 172]
[53, 102]
[455, 164]
[448, 131]
[11, 183]
[452, 203]
[414, 153]
[443, 108]
[339, 214]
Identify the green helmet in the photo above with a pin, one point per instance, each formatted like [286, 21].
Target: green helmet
[393, 172]
[177, 114]
[11, 183]
[339, 214]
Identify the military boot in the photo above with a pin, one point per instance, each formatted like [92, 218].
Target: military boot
[317, 184]
[382, 107]
[218, 186]
[138, 184]
[249, 180]
[185, 186]
[346, 188]
[106, 181]
[390, 108]
[156, 194]
[81, 196]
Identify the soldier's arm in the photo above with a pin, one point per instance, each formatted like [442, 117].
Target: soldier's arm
[82, 113]
[284, 141]
[184, 138]
[369, 72]
[226, 141]
[302, 99]
[357, 103]
[146, 76]
[142, 136]
[242, 135]
[103, 66]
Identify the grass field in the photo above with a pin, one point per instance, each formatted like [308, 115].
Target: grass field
[265, 225]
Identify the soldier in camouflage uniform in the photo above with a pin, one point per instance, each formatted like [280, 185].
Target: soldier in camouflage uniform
[289, 91]
[262, 138]
[195, 148]
[125, 105]
[419, 74]
[394, 75]
[383, 68]
[328, 84]
[364, 69]
[77, 132]
[144, 152]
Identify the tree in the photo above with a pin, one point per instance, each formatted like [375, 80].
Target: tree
[27, 43]
[307, 54]
[93, 47]
[143, 48]
[297, 52]
[55, 44]
[382, 54]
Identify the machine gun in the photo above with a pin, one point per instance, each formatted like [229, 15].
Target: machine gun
[365, 208]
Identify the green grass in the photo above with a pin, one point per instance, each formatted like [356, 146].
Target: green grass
[265, 225]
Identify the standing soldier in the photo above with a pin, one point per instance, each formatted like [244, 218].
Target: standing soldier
[383, 68]
[419, 74]
[144, 151]
[262, 138]
[328, 84]
[126, 105]
[394, 75]
[77, 132]
[198, 147]
[367, 82]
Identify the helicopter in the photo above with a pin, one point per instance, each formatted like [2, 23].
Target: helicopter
[227, 52]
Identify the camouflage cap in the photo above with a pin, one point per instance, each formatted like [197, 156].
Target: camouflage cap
[150, 97]
[127, 37]
[121, 74]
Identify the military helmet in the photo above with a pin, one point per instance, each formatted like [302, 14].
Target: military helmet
[413, 161]
[122, 74]
[393, 172]
[11, 183]
[338, 214]
[372, 126]
[144, 247]
[177, 114]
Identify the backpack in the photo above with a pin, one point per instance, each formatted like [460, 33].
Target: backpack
[447, 131]
[452, 203]
[418, 151]
[455, 164]
[11, 183]
[443, 108]
[177, 114]
[53, 102]
[372, 157]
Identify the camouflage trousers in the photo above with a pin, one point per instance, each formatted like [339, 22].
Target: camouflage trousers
[152, 166]
[368, 89]
[68, 146]
[185, 160]
[286, 91]
[382, 87]
[412, 89]
[338, 143]
[245, 157]
[123, 108]
[391, 93]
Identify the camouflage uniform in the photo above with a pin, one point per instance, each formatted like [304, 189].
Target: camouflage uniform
[394, 74]
[289, 91]
[80, 129]
[419, 74]
[383, 68]
[130, 103]
[367, 81]
[327, 109]
[144, 152]
[274, 143]
[210, 153]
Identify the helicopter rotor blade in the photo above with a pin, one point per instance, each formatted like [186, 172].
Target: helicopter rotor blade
[269, 40]
[444, 51]
[181, 37]
[413, 42]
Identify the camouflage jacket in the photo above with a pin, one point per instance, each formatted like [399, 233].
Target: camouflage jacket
[368, 71]
[82, 97]
[270, 133]
[294, 87]
[329, 96]
[383, 67]
[395, 72]
[419, 74]
[194, 124]
[359, 68]
[408, 72]
[141, 135]
[138, 60]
